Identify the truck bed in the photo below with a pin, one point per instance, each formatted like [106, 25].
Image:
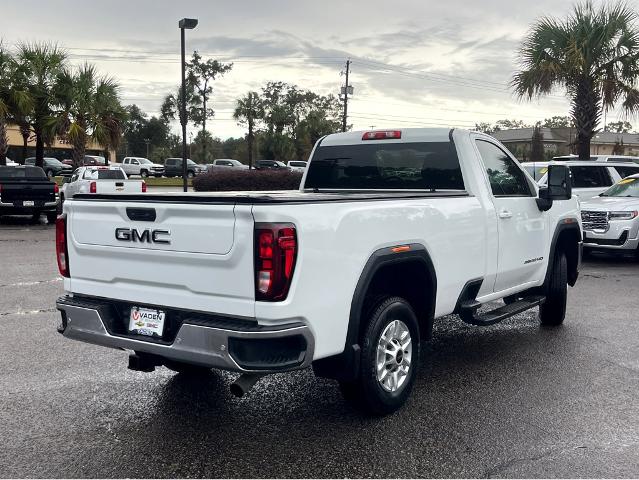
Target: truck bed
[293, 196]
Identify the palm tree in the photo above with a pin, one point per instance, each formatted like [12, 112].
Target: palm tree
[248, 111]
[39, 65]
[89, 108]
[14, 100]
[593, 54]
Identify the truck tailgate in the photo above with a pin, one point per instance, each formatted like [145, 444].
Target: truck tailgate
[118, 186]
[18, 192]
[186, 255]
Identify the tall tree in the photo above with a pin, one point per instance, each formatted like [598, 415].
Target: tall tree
[201, 75]
[15, 101]
[593, 54]
[40, 64]
[537, 144]
[89, 108]
[249, 110]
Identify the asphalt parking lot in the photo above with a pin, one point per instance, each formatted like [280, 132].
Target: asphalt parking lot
[510, 400]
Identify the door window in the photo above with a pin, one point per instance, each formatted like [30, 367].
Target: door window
[135, 162]
[505, 176]
[590, 176]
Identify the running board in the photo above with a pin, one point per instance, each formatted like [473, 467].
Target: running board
[468, 310]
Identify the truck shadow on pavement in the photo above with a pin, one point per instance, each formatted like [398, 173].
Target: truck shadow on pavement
[289, 417]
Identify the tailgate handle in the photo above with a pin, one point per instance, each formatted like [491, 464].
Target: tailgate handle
[119, 184]
[141, 214]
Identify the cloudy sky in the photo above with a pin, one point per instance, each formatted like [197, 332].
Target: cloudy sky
[414, 62]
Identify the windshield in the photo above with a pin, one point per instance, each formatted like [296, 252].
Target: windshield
[144, 161]
[297, 164]
[393, 166]
[104, 174]
[628, 187]
[54, 161]
[190, 162]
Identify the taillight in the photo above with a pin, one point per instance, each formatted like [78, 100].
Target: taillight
[382, 134]
[61, 245]
[143, 186]
[93, 187]
[56, 189]
[275, 255]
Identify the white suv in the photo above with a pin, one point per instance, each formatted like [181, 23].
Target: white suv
[611, 220]
[589, 178]
[141, 166]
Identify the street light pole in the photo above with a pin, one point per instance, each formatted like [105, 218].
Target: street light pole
[184, 24]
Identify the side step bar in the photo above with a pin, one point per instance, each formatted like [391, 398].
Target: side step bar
[468, 310]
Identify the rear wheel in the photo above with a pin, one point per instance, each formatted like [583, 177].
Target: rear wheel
[553, 311]
[389, 358]
[185, 368]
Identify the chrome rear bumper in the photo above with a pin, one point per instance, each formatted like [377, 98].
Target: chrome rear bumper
[207, 346]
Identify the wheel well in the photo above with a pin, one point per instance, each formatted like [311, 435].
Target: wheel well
[410, 280]
[568, 242]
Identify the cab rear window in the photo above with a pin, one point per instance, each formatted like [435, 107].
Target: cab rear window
[104, 174]
[22, 172]
[386, 166]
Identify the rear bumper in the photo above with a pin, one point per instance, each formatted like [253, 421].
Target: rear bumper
[12, 209]
[235, 348]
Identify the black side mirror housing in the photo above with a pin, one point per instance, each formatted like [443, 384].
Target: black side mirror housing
[559, 187]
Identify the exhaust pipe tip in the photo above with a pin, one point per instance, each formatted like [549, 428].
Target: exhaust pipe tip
[243, 384]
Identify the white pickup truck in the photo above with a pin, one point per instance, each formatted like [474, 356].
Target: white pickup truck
[97, 180]
[389, 231]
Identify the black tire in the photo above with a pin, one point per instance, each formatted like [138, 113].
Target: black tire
[35, 217]
[366, 392]
[185, 368]
[144, 173]
[190, 174]
[50, 174]
[553, 310]
[51, 217]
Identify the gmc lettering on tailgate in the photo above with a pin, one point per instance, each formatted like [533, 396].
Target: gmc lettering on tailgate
[143, 236]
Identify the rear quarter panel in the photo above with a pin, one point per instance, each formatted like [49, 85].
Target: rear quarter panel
[337, 239]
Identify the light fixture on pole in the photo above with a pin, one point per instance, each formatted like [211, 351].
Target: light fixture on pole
[184, 24]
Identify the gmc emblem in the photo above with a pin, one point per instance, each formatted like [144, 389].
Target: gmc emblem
[144, 236]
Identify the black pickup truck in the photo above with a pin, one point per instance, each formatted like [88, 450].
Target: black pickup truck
[26, 190]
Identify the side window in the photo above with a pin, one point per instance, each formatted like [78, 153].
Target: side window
[125, 161]
[506, 178]
[626, 171]
[134, 162]
[590, 177]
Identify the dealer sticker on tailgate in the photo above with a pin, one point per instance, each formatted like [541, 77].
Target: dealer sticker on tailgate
[146, 321]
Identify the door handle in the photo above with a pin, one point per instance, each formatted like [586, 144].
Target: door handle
[505, 214]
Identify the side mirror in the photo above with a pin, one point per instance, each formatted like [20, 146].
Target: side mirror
[559, 187]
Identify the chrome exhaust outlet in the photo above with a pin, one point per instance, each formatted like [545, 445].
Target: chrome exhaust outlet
[243, 384]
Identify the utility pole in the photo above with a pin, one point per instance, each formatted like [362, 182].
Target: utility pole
[147, 141]
[345, 91]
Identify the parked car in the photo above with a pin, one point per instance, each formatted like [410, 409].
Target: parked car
[227, 162]
[270, 165]
[10, 163]
[173, 168]
[89, 160]
[98, 180]
[141, 166]
[396, 227]
[26, 190]
[297, 165]
[52, 167]
[589, 178]
[601, 158]
[611, 220]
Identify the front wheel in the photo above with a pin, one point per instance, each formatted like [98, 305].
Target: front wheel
[389, 358]
[553, 311]
[144, 173]
[190, 174]
[50, 174]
